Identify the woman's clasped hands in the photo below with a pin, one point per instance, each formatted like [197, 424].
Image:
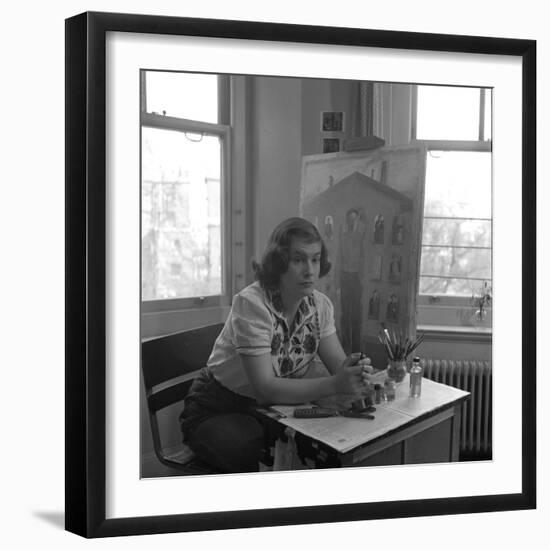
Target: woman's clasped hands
[354, 376]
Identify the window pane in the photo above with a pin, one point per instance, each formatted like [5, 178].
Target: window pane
[447, 112]
[184, 95]
[456, 232]
[451, 287]
[181, 215]
[458, 184]
[456, 262]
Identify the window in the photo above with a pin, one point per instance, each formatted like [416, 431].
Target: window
[455, 125]
[184, 160]
[453, 114]
[456, 238]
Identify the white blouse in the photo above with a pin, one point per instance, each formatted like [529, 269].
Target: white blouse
[257, 326]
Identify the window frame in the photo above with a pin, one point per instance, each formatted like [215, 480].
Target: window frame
[223, 131]
[479, 146]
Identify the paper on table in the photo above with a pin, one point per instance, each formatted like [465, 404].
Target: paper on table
[341, 433]
[433, 396]
[344, 434]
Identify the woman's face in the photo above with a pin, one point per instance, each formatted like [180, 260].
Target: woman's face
[303, 269]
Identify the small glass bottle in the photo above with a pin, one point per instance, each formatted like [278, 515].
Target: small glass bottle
[389, 389]
[415, 378]
[378, 393]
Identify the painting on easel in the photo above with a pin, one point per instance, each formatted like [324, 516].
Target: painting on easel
[369, 202]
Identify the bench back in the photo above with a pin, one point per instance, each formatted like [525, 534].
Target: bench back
[171, 362]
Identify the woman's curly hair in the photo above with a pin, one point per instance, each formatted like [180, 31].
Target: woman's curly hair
[276, 254]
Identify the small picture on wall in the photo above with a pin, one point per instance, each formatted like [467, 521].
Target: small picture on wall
[378, 229]
[374, 305]
[398, 230]
[395, 269]
[331, 145]
[392, 310]
[332, 121]
[376, 267]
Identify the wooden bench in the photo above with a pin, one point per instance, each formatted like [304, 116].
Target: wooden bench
[169, 365]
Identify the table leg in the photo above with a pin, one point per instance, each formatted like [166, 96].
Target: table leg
[455, 434]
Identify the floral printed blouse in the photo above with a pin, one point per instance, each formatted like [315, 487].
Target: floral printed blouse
[257, 326]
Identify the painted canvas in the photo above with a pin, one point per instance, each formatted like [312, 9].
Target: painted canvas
[371, 223]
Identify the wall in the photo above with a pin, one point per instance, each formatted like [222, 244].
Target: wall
[286, 124]
[326, 95]
[399, 97]
[316, 97]
[276, 153]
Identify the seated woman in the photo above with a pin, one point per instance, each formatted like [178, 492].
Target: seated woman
[274, 330]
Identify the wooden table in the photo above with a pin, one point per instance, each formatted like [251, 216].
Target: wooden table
[404, 431]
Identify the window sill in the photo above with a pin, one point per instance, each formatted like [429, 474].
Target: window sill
[162, 323]
[457, 333]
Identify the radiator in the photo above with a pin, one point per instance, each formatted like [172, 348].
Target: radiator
[476, 421]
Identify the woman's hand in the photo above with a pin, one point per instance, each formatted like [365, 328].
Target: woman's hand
[351, 379]
[365, 363]
[359, 359]
[368, 369]
[352, 360]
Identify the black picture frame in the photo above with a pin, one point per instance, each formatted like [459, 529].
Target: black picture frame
[86, 264]
[331, 145]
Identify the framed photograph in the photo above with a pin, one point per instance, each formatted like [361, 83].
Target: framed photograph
[331, 145]
[332, 121]
[187, 142]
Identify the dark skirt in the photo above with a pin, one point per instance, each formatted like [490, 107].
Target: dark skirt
[207, 397]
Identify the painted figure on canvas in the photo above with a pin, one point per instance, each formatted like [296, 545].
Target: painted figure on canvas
[374, 305]
[395, 269]
[379, 229]
[352, 266]
[398, 230]
[392, 310]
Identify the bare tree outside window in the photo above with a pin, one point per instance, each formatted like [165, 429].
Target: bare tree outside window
[181, 187]
[456, 240]
[455, 124]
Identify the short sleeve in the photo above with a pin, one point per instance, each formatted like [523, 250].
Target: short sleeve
[251, 325]
[326, 315]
